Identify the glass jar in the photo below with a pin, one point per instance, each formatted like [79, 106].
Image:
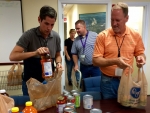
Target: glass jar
[46, 63]
[61, 103]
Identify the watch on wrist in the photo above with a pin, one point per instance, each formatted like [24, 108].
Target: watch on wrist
[57, 63]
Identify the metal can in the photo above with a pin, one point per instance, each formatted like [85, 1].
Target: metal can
[87, 101]
[66, 95]
[61, 103]
[77, 99]
[95, 110]
[71, 105]
[73, 91]
[71, 99]
[68, 110]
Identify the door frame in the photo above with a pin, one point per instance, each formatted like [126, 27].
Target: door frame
[61, 22]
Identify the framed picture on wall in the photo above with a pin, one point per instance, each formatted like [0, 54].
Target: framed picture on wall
[94, 21]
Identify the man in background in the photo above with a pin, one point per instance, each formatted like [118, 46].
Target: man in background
[82, 50]
[36, 42]
[115, 49]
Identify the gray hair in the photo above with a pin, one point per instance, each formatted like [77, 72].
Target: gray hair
[121, 5]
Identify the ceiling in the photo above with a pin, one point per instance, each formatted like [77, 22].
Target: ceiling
[66, 8]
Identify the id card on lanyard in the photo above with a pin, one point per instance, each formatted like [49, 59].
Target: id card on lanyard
[82, 56]
[119, 71]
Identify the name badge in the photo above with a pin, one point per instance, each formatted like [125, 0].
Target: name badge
[82, 57]
[118, 71]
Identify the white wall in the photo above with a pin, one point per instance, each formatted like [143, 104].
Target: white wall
[72, 16]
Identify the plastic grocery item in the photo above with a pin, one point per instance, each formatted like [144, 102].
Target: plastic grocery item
[29, 108]
[15, 110]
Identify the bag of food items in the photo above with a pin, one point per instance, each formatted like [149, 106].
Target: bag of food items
[14, 76]
[42, 95]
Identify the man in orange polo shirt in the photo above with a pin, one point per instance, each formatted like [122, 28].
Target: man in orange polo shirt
[115, 49]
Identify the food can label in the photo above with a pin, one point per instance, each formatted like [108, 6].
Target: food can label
[77, 100]
[88, 103]
[47, 69]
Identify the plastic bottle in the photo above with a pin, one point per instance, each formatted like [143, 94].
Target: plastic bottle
[46, 66]
[15, 110]
[29, 108]
[3, 92]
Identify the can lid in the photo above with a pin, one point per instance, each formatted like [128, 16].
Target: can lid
[87, 96]
[75, 94]
[68, 109]
[2, 91]
[70, 97]
[72, 91]
[28, 103]
[14, 109]
[69, 104]
[95, 110]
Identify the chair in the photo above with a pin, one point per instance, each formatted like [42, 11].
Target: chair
[96, 95]
[92, 84]
[20, 100]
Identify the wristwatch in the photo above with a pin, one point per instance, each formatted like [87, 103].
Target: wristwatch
[58, 63]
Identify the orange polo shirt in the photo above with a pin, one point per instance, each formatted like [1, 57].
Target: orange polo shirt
[106, 47]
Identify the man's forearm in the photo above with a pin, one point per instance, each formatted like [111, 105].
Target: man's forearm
[75, 59]
[58, 59]
[17, 56]
[102, 62]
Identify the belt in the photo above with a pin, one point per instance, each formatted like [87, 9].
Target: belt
[113, 77]
[88, 65]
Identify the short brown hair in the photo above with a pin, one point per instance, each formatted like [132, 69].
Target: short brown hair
[80, 22]
[121, 5]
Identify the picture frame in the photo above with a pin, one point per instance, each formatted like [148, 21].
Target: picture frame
[94, 21]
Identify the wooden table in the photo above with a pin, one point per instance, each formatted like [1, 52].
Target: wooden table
[107, 106]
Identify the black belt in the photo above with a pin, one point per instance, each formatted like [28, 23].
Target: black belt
[88, 65]
[114, 77]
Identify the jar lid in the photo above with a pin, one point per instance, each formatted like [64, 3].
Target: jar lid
[28, 103]
[2, 91]
[15, 109]
[60, 98]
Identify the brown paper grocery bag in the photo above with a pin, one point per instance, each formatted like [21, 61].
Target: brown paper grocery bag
[133, 93]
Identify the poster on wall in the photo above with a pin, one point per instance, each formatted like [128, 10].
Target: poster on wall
[94, 21]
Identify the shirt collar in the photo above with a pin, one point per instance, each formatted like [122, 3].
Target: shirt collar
[125, 33]
[39, 33]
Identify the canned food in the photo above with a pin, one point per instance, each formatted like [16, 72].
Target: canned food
[71, 99]
[61, 103]
[77, 99]
[68, 110]
[73, 91]
[71, 105]
[66, 96]
[95, 110]
[87, 101]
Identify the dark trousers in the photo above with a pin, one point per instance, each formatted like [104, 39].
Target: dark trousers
[89, 71]
[24, 88]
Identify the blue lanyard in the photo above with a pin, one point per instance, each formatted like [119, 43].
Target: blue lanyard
[84, 44]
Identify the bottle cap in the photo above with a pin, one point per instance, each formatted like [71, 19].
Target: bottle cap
[28, 103]
[2, 91]
[15, 109]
